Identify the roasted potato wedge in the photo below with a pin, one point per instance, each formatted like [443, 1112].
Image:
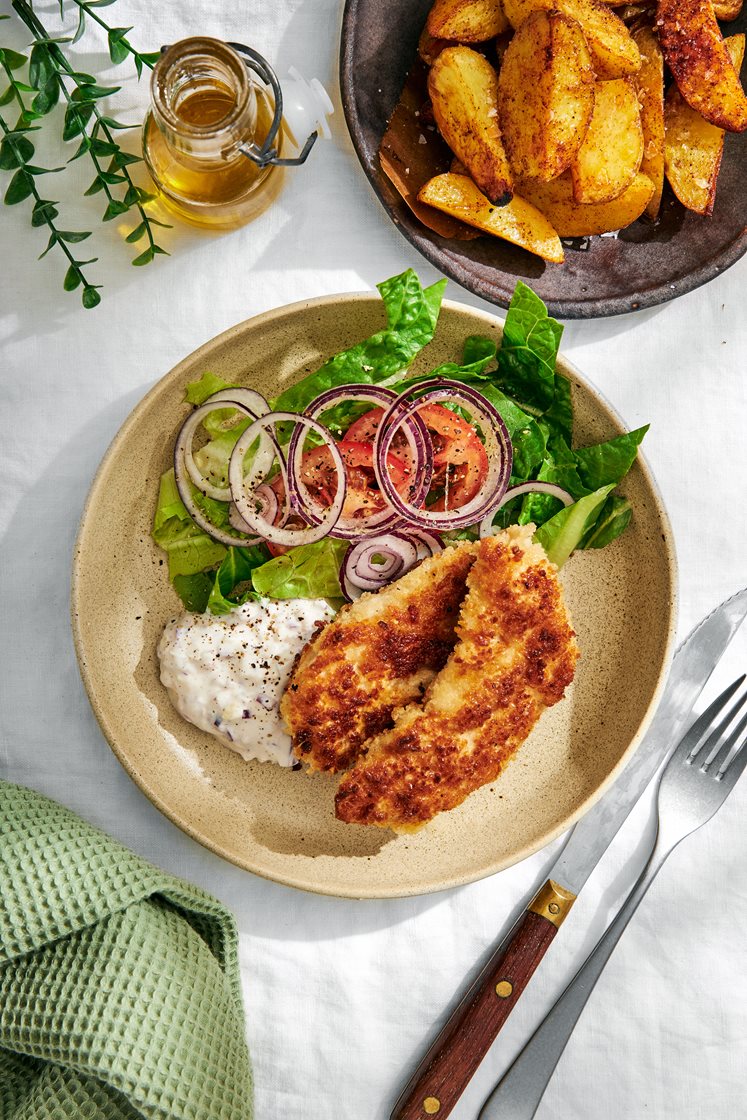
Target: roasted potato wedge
[571, 219]
[649, 86]
[693, 147]
[545, 95]
[727, 10]
[609, 158]
[463, 88]
[613, 52]
[429, 48]
[519, 222]
[700, 62]
[466, 21]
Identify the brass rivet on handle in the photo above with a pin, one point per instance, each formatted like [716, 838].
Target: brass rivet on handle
[554, 908]
[504, 988]
[431, 1105]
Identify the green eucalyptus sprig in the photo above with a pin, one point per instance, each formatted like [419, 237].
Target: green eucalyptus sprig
[51, 78]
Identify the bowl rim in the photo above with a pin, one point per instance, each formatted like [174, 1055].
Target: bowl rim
[599, 308]
[191, 829]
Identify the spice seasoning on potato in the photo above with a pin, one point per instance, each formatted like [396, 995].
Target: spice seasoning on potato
[611, 154]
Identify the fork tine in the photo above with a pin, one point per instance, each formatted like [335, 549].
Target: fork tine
[725, 745]
[715, 739]
[691, 741]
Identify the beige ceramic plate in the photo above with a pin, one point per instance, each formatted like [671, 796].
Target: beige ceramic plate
[279, 823]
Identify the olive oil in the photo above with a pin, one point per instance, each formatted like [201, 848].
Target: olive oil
[204, 107]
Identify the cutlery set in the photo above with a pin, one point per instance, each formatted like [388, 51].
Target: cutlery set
[697, 771]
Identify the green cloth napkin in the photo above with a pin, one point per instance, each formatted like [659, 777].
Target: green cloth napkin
[119, 984]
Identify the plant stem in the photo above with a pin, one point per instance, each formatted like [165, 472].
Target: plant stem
[102, 23]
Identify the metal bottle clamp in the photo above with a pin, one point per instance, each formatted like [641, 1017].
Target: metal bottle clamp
[268, 153]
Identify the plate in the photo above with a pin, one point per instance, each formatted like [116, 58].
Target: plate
[280, 823]
[643, 266]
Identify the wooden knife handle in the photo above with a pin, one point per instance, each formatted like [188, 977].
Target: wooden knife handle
[446, 1069]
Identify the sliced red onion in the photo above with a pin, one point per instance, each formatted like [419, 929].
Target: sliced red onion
[184, 487]
[497, 446]
[428, 544]
[186, 437]
[270, 508]
[358, 572]
[244, 490]
[418, 442]
[487, 529]
[249, 399]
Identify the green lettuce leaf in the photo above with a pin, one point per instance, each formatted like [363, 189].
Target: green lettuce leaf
[613, 520]
[197, 392]
[194, 591]
[311, 571]
[528, 352]
[235, 570]
[564, 532]
[610, 461]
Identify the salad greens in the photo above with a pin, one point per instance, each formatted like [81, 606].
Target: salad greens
[519, 378]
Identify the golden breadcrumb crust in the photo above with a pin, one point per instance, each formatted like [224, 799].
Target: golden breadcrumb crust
[515, 657]
[378, 654]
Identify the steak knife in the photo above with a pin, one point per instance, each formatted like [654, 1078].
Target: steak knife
[452, 1059]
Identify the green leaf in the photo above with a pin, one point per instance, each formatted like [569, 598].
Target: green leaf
[310, 571]
[150, 58]
[114, 210]
[111, 177]
[611, 522]
[96, 186]
[20, 187]
[526, 359]
[118, 50]
[50, 244]
[101, 147]
[144, 258]
[72, 279]
[41, 67]
[47, 98]
[43, 212]
[33, 170]
[609, 461]
[81, 26]
[139, 66]
[12, 59]
[76, 119]
[83, 79]
[197, 392]
[564, 532]
[122, 159]
[111, 123]
[8, 96]
[90, 297]
[135, 234]
[158, 249]
[15, 150]
[71, 237]
[83, 147]
[235, 570]
[131, 196]
[145, 196]
[194, 590]
[88, 92]
[411, 314]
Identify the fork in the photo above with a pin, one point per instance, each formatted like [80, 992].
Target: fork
[699, 776]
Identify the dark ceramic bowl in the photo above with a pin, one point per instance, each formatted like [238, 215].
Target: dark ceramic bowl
[644, 265]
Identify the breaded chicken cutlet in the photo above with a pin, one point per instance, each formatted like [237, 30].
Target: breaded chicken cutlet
[377, 655]
[515, 656]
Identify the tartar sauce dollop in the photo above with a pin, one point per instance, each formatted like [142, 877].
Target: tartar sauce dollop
[227, 673]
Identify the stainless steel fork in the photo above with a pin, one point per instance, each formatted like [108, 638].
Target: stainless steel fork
[696, 781]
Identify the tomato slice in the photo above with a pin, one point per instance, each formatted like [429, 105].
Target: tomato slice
[460, 461]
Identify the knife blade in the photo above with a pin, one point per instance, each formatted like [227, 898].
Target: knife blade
[470, 1030]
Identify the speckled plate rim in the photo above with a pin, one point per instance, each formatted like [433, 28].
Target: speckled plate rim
[189, 827]
[592, 308]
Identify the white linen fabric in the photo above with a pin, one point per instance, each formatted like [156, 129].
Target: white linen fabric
[342, 996]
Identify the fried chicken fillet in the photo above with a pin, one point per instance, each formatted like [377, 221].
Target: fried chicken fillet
[515, 657]
[378, 654]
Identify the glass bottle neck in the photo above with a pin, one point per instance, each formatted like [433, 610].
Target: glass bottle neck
[204, 102]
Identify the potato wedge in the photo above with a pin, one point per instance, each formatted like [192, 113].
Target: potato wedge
[545, 95]
[649, 86]
[519, 222]
[571, 219]
[700, 63]
[693, 147]
[727, 10]
[609, 158]
[463, 88]
[613, 52]
[466, 21]
[429, 48]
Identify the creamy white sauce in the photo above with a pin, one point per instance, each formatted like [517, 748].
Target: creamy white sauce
[227, 673]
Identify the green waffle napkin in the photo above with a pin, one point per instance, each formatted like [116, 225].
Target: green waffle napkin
[119, 984]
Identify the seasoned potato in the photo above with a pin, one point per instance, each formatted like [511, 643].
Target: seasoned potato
[700, 62]
[571, 219]
[613, 52]
[727, 9]
[609, 158]
[545, 95]
[463, 88]
[518, 222]
[430, 48]
[693, 147]
[649, 85]
[466, 21]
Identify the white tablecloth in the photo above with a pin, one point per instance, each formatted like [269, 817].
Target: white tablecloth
[341, 996]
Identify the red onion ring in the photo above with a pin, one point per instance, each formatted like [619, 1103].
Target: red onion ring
[487, 529]
[419, 445]
[358, 573]
[270, 509]
[185, 439]
[244, 489]
[184, 489]
[497, 445]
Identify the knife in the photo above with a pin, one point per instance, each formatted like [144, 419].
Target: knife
[457, 1051]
